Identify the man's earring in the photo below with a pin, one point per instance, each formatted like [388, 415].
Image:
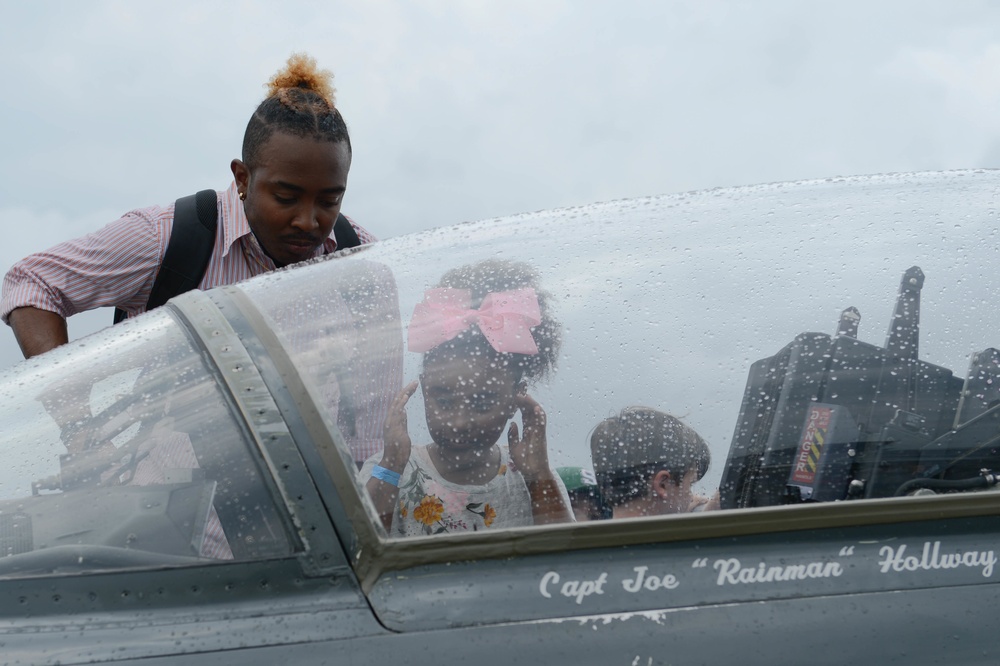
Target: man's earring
[243, 196]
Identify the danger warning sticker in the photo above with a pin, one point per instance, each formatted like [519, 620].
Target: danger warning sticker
[814, 437]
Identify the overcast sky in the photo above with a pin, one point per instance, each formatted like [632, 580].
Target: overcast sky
[470, 110]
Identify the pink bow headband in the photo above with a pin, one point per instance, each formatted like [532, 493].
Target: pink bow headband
[505, 318]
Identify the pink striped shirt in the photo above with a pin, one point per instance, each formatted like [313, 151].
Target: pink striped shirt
[116, 266]
[349, 343]
[172, 450]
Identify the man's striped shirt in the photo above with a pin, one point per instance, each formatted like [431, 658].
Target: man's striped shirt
[116, 265]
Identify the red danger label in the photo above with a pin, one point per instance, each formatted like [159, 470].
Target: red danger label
[811, 446]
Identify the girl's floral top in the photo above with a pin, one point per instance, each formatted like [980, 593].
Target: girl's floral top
[430, 505]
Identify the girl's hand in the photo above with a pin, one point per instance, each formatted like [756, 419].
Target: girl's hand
[395, 454]
[395, 435]
[530, 453]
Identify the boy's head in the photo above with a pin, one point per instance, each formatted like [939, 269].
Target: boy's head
[647, 455]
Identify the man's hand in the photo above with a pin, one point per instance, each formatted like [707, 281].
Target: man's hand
[37, 331]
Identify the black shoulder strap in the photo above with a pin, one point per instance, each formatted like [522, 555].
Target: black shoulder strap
[192, 239]
[344, 233]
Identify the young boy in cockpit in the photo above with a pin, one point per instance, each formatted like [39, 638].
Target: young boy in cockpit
[646, 463]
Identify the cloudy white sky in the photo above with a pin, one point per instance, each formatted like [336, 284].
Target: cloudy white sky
[466, 110]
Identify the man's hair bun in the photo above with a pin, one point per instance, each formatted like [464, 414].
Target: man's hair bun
[299, 102]
[303, 73]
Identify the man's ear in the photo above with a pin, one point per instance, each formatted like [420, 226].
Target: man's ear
[241, 174]
[660, 484]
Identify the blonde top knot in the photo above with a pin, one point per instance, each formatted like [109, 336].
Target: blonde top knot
[301, 72]
[299, 102]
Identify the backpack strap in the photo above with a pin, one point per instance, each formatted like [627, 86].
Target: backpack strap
[192, 239]
[344, 233]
